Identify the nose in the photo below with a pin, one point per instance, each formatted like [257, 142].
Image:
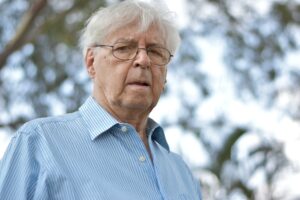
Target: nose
[142, 59]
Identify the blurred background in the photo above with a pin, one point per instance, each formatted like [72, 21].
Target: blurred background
[232, 103]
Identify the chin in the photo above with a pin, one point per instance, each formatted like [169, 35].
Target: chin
[137, 104]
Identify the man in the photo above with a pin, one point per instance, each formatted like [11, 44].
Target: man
[109, 148]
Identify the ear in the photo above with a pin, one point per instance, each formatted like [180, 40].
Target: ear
[165, 82]
[166, 74]
[89, 62]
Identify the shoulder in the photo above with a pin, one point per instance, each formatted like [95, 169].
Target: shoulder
[179, 160]
[186, 174]
[36, 135]
[39, 125]
[175, 159]
[181, 165]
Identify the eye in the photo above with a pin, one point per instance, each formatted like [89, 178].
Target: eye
[156, 51]
[124, 47]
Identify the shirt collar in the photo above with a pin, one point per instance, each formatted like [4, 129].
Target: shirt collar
[98, 121]
[156, 132]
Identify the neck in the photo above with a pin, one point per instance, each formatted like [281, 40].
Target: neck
[136, 119]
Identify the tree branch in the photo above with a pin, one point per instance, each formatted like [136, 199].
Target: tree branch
[24, 26]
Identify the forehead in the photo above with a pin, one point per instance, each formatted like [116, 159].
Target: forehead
[153, 35]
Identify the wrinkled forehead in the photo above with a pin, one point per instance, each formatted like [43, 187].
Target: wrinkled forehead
[133, 33]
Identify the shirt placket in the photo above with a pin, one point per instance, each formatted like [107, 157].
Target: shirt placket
[140, 153]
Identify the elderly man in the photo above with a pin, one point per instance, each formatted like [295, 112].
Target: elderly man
[109, 148]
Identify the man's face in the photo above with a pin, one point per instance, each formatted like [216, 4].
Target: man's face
[133, 84]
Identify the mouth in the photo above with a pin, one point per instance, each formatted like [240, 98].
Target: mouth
[140, 83]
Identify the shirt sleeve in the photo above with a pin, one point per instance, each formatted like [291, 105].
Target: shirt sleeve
[198, 189]
[196, 183]
[20, 168]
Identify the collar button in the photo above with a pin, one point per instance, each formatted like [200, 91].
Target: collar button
[124, 129]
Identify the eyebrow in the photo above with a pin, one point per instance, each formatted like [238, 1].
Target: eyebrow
[134, 41]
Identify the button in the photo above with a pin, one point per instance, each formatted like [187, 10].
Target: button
[124, 129]
[142, 158]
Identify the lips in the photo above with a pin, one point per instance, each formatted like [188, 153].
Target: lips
[140, 83]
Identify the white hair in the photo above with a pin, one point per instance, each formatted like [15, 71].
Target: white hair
[109, 19]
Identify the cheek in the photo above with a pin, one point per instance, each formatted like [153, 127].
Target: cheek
[112, 75]
[103, 69]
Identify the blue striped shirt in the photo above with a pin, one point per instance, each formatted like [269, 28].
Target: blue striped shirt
[89, 155]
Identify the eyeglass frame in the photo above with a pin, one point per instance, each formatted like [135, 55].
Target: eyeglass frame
[137, 50]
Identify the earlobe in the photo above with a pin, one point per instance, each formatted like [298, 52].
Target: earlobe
[164, 86]
[89, 63]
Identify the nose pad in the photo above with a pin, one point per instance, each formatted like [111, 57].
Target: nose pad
[142, 58]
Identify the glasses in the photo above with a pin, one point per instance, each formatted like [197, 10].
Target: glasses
[128, 51]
